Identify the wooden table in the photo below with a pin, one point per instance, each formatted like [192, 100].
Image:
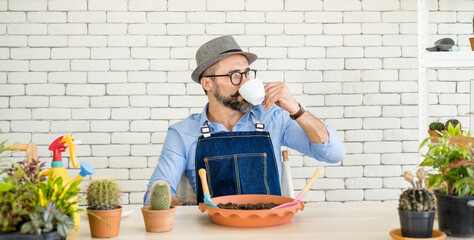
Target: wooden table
[326, 221]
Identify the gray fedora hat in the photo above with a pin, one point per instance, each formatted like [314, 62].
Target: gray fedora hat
[442, 45]
[216, 50]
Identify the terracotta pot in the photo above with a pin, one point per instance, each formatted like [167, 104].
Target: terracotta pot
[434, 133]
[158, 220]
[471, 40]
[99, 229]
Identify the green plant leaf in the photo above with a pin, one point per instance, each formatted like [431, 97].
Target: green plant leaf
[63, 230]
[435, 180]
[427, 162]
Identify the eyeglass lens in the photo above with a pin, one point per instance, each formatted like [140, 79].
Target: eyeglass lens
[236, 77]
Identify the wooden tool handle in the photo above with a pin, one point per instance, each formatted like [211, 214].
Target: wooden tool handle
[202, 174]
[284, 153]
[313, 179]
[30, 148]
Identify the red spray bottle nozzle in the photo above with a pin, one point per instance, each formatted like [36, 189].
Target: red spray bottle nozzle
[59, 145]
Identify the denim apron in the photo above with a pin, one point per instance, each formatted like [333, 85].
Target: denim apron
[237, 162]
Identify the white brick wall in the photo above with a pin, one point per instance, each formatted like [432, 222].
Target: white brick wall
[116, 74]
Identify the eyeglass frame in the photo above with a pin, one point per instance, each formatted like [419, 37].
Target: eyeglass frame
[230, 75]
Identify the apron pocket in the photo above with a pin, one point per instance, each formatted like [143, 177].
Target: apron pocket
[252, 169]
[221, 176]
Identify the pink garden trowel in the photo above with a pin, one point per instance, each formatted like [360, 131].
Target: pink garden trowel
[306, 188]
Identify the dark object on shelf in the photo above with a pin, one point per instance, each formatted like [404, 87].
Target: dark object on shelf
[442, 45]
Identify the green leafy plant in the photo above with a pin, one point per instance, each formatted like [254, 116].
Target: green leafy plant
[47, 219]
[160, 196]
[103, 194]
[416, 198]
[451, 161]
[31, 205]
[18, 200]
[17, 193]
[54, 191]
[436, 126]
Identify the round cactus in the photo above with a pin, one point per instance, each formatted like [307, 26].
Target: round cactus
[103, 194]
[160, 196]
[417, 198]
[453, 122]
[436, 126]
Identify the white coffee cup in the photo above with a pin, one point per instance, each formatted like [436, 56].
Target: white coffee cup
[253, 91]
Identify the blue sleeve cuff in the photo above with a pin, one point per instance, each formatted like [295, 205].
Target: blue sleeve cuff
[332, 151]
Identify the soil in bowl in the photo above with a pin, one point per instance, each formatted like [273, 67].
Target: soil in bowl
[247, 206]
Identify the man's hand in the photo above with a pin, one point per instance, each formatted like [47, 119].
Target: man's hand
[175, 201]
[279, 94]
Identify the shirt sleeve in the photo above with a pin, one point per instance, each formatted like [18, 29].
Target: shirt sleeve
[332, 151]
[171, 163]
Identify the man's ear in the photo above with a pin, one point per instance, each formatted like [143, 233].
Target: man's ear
[207, 83]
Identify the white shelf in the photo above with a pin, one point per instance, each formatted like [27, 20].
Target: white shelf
[427, 60]
[449, 59]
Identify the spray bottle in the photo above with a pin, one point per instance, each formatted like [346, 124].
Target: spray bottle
[57, 169]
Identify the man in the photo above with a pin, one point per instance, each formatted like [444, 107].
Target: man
[238, 144]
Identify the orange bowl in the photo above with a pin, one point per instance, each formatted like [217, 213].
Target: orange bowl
[251, 218]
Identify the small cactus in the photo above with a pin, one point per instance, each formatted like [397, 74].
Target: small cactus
[103, 194]
[436, 126]
[417, 198]
[453, 122]
[160, 196]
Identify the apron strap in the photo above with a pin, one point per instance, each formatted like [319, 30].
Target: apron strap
[258, 125]
[206, 130]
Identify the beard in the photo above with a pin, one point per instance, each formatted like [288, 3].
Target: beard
[233, 102]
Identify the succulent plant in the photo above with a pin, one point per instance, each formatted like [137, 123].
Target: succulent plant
[437, 126]
[47, 219]
[417, 198]
[103, 194]
[160, 196]
[453, 122]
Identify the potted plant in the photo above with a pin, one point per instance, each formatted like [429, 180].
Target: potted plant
[452, 175]
[437, 128]
[159, 215]
[416, 208]
[103, 198]
[49, 221]
[32, 209]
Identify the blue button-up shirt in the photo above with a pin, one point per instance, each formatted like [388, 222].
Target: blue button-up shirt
[179, 149]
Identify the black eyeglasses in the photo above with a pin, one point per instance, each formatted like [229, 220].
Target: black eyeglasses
[236, 78]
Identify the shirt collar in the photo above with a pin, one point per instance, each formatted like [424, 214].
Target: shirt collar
[203, 117]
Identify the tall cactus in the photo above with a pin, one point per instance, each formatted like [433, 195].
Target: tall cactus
[160, 196]
[417, 198]
[103, 194]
